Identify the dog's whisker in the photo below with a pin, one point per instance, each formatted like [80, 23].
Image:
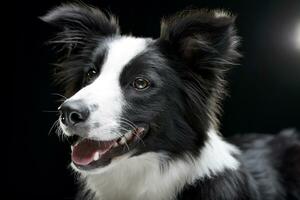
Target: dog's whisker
[139, 138]
[127, 120]
[136, 135]
[130, 125]
[60, 95]
[53, 125]
[126, 130]
[60, 132]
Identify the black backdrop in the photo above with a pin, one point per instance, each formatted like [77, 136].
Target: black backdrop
[264, 89]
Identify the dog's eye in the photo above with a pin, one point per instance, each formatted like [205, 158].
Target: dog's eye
[140, 83]
[91, 74]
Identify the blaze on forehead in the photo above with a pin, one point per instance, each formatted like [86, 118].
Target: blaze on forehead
[121, 51]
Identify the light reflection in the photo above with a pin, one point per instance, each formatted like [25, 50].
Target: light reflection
[297, 37]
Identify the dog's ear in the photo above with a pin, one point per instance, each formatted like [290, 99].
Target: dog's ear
[79, 23]
[202, 37]
[205, 44]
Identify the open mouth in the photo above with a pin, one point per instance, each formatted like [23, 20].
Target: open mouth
[89, 154]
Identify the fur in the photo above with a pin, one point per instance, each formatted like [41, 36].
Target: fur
[183, 155]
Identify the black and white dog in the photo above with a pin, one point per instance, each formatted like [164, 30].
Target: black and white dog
[145, 112]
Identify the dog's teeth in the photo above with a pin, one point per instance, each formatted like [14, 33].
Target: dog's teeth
[115, 144]
[96, 156]
[139, 130]
[72, 147]
[122, 141]
[128, 135]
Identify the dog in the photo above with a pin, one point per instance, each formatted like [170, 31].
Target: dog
[143, 112]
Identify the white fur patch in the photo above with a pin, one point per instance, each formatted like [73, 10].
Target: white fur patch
[216, 156]
[221, 13]
[105, 92]
[141, 177]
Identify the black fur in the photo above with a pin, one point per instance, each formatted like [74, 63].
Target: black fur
[187, 66]
[81, 27]
[270, 171]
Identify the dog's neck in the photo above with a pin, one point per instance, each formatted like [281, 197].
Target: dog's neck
[145, 176]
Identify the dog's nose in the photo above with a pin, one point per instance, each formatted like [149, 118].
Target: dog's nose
[73, 112]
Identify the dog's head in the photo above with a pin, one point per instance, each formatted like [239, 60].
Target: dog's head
[129, 95]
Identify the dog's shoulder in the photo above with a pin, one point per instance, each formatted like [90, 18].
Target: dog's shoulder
[229, 185]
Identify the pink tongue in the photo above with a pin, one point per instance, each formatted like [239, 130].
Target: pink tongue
[83, 153]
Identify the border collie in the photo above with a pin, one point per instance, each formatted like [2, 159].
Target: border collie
[145, 112]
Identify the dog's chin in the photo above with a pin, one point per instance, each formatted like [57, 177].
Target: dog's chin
[90, 155]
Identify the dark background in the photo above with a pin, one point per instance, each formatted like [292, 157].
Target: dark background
[264, 89]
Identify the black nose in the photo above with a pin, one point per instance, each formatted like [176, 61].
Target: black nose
[73, 112]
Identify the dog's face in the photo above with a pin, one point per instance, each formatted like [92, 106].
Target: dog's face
[126, 89]
[129, 95]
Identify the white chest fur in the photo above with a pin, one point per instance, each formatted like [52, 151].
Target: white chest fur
[143, 178]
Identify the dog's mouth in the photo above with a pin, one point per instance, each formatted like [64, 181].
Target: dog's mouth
[89, 154]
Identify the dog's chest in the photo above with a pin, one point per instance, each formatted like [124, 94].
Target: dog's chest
[139, 178]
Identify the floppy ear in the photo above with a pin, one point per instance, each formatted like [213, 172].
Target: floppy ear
[79, 23]
[205, 44]
[202, 37]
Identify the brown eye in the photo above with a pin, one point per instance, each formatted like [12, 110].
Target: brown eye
[91, 74]
[141, 83]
